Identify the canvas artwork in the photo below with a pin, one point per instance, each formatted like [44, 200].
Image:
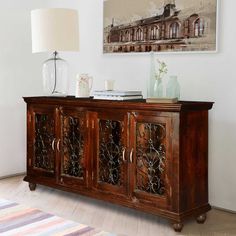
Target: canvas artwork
[159, 25]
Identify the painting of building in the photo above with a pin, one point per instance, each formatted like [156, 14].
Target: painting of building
[161, 26]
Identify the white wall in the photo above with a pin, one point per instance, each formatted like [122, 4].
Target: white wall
[19, 76]
[209, 77]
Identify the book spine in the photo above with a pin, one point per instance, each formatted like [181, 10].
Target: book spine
[116, 93]
[119, 98]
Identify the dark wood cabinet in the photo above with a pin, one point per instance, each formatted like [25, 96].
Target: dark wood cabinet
[150, 157]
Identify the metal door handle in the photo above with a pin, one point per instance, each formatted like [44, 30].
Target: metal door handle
[53, 144]
[131, 156]
[123, 154]
[58, 145]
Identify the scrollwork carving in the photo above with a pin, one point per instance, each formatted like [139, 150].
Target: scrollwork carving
[44, 135]
[151, 154]
[110, 151]
[73, 146]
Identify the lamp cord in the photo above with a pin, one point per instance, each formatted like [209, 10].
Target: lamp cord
[55, 70]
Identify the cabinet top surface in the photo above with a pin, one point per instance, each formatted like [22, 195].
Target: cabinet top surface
[131, 104]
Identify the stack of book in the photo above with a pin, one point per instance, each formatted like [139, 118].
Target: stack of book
[117, 95]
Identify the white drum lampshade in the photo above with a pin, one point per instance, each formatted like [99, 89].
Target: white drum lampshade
[55, 30]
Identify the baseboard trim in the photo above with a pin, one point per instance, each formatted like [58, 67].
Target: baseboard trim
[13, 175]
[223, 209]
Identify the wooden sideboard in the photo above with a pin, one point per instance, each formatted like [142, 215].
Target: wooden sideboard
[150, 157]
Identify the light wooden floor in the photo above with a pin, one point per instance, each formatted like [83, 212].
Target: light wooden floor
[109, 217]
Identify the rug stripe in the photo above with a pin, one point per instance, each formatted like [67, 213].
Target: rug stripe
[19, 220]
[18, 231]
[58, 229]
[4, 202]
[8, 205]
[19, 214]
[34, 229]
[12, 210]
[29, 220]
[21, 217]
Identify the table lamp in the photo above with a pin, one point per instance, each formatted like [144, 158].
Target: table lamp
[54, 30]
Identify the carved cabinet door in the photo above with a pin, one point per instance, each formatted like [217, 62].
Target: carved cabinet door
[150, 159]
[72, 147]
[41, 139]
[110, 171]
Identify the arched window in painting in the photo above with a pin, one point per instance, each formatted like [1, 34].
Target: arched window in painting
[127, 36]
[139, 34]
[199, 27]
[152, 33]
[157, 34]
[123, 36]
[174, 30]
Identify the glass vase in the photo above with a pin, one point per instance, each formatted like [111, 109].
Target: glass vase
[158, 91]
[173, 87]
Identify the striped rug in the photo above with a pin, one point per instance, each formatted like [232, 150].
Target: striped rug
[18, 220]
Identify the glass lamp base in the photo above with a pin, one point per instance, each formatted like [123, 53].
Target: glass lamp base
[55, 76]
[57, 94]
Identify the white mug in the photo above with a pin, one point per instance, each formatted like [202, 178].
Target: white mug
[109, 84]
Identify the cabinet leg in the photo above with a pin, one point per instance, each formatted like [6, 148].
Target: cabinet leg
[32, 186]
[178, 226]
[201, 219]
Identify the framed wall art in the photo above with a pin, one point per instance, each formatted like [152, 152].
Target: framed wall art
[160, 26]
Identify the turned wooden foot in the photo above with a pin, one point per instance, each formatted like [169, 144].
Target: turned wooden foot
[32, 186]
[178, 227]
[201, 219]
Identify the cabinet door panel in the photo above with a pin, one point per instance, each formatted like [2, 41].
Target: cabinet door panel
[150, 169]
[110, 165]
[73, 148]
[41, 141]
